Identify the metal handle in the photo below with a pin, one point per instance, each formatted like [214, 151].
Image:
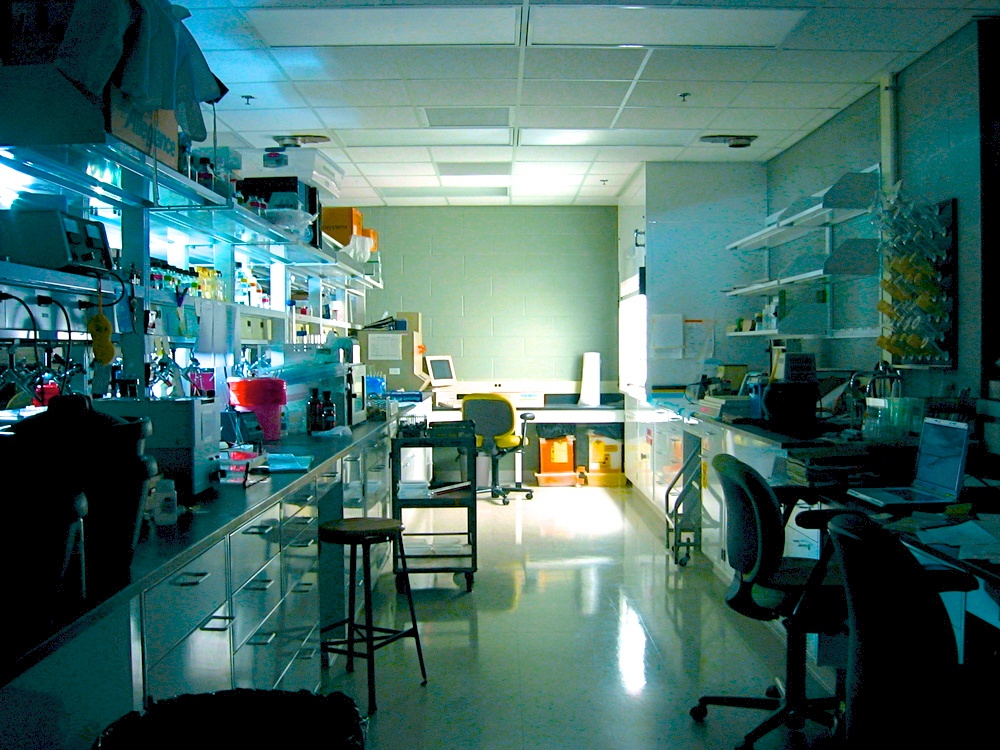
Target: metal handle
[190, 578]
[640, 233]
[261, 639]
[257, 530]
[260, 584]
[222, 623]
[303, 587]
[300, 543]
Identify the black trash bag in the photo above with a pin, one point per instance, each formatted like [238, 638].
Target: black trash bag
[613, 430]
[239, 718]
[555, 430]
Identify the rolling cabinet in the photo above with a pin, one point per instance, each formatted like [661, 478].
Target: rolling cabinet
[638, 461]
[434, 551]
[713, 509]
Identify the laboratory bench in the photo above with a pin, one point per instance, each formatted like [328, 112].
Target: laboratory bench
[233, 595]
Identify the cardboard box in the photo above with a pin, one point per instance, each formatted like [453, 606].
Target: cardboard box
[372, 234]
[556, 479]
[397, 354]
[154, 133]
[605, 454]
[342, 223]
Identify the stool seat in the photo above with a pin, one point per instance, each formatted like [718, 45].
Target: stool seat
[362, 639]
[357, 530]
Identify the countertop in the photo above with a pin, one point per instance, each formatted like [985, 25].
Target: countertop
[215, 513]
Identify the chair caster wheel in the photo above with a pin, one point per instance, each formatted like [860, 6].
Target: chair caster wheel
[506, 501]
[699, 712]
[773, 692]
[529, 495]
[468, 582]
[795, 722]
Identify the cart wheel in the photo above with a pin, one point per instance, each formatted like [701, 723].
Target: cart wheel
[400, 583]
[506, 500]
[529, 495]
[684, 560]
[468, 582]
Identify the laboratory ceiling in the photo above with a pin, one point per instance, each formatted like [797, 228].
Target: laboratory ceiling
[546, 103]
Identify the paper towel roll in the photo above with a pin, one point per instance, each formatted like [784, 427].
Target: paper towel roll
[590, 383]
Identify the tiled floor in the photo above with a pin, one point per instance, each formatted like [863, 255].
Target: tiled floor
[579, 633]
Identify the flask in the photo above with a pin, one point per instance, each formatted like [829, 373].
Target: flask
[314, 412]
[329, 411]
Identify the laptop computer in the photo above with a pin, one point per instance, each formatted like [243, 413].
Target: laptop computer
[941, 455]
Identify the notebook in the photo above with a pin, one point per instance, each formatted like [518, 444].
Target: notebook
[940, 472]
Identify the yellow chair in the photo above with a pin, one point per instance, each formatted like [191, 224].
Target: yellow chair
[495, 418]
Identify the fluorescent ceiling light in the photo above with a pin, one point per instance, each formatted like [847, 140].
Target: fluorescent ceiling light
[445, 192]
[609, 26]
[427, 137]
[624, 137]
[382, 27]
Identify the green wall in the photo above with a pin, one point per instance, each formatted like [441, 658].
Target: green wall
[513, 292]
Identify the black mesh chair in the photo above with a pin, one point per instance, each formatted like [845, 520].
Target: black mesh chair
[904, 679]
[804, 594]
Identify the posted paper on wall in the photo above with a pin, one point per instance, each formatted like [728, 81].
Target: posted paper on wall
[668, 335]
[385, 346]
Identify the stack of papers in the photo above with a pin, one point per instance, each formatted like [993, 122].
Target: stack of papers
[282, 462]
[976, 540]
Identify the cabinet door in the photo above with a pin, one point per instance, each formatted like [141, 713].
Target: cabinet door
[713, 509]
[68, 698]
[200, 663]
[178, 605]
[304, 671]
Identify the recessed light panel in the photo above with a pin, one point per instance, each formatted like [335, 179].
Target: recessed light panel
[467, 117]
[470, 168]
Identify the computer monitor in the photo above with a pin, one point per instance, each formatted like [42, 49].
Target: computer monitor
[441, 370]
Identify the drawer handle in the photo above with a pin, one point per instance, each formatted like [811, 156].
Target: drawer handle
[260, 584]
[302, 521]
[222, 623]
[190, 578]
[299, 543]
[258, 530]
[303, 587]
[261, 639]
[377, 467]
[306, 654]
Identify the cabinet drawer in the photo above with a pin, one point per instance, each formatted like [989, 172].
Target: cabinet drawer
[298, 501]
[299, 557]
[253, 544]
[200, 663]
[255, 601]
[173, 608]
[261, 661]
[304, 671]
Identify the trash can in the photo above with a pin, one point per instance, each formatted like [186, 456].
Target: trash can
[241, 717]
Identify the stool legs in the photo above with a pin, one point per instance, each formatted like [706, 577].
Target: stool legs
[409, 598]
[374, 637]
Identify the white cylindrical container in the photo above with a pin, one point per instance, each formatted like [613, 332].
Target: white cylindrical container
[590, 383]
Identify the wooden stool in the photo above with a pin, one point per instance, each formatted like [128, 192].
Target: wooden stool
[366, 532]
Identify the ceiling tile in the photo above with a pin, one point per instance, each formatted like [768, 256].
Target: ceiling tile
[336, 63]
[273, 95]
[368, 117]
[350, 182]
[705, 64]
[426, 137]
[617, 168]
[870, 29]
[791, 95]
[222, 29]
[363, 155]
[486, 63]
[382, 169]
[574, 93]
[462, 93]
[566, 117]
[547, 169]
[807, 66]
[243, 66]
[637, 153]
[700, 93]
[556, 153]
[390, 181]
[582, 64]
[750, 120]
[278, 121]
[353, 93]
[472, 153]
[666, 117]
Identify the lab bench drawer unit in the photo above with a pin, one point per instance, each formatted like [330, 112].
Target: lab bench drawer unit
[429, 550]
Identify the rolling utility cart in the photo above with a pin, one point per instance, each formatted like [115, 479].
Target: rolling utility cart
[442, 551]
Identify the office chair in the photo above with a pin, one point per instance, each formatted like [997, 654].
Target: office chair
[804, 594]
[903, 676]
[494, 418]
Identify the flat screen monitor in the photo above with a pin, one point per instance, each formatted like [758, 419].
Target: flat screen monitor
[441, 370]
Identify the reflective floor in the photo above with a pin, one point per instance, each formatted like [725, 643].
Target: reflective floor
[579, 633]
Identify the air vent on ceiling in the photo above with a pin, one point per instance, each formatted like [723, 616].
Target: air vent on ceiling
[733, 141]
[298, 140]
[467, 117]
[473, 168]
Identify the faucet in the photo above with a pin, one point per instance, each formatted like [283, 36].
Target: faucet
[885, 375]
